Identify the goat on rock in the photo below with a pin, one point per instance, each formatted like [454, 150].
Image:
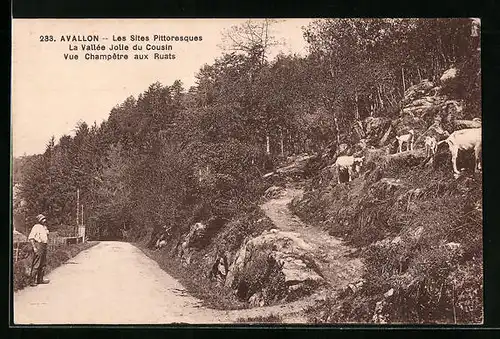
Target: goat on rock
[406, 138]
[464, 139]
[350, 164]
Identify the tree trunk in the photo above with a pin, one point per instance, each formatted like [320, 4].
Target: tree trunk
[441, 51]
[282, 143]
[268, 145]
[419, 75]
[403, 77]
[356, 101]
[379, 90]
[337, 129]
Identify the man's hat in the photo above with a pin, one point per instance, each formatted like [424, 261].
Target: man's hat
[41, 218]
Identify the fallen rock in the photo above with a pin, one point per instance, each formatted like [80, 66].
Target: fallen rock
[396, 240]
[256, 300]
[459, 124]
[417, 90]
[417, 233]
[448, 74]
[274, 192]
[356, 286]
[196, 234]
[378, 316]
[453, 245]
[287, 253]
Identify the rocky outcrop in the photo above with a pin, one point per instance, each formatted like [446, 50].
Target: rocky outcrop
[376, 128]
[272, 267]
[448, 74]
[195, 236]
[426, 99]
[295, 170]
[273, 192]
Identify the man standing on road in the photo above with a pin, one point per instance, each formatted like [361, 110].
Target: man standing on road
[39, 237]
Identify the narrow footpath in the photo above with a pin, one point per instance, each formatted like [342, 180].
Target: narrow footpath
[331, 253]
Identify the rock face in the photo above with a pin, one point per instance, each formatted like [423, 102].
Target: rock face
[195, 235]
[272, 267]
[448, 74]
[427, 100]
[273, 192]
[376, 128]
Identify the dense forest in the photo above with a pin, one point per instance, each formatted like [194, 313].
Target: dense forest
[171, 156]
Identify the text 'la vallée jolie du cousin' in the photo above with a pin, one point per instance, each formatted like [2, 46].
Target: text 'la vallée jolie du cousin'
[120, 47]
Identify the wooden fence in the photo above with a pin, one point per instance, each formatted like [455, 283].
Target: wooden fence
[23, 249]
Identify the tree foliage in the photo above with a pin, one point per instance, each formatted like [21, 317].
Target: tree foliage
[169, 157]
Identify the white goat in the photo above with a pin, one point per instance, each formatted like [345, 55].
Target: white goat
[464, 139]
[430, 146]
[347, 163]
[408, 138]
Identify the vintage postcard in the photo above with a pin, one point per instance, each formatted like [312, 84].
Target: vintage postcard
[247, 171]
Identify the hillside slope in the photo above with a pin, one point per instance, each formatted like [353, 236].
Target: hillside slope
[418, 227]
[419, 232]
[401, 243]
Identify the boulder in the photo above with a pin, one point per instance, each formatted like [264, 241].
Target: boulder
[288, 253]
[424, 101]
[389, 293]
[274, 192]
[386, 136]
[449, 74]
[192, 239]
[453, 246]
[417, 233]
[461, 124]
[257, 300]
[375, 128]
[421, 89]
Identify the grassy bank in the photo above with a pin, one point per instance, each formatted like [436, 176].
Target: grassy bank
[55, 258]
[419, 231]
[195, 276]
[213, 296]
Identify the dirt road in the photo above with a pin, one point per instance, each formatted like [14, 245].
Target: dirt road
[115, 283]
[331, 253]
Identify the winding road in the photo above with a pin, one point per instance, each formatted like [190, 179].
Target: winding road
[116, 283]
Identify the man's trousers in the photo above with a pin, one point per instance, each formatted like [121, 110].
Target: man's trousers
[38, 263]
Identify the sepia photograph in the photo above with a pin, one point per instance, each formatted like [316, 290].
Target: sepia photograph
[246, 171]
